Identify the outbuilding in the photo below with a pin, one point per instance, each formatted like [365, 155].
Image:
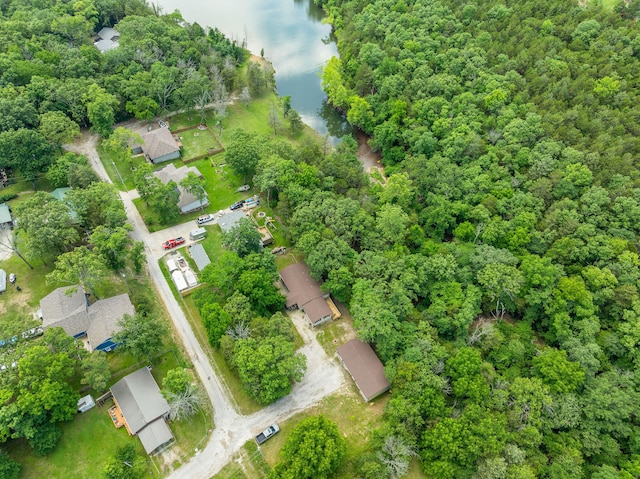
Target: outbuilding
[364, 367]
[5, 216]
[200, 256]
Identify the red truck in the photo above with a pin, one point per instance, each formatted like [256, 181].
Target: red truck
[173, 242]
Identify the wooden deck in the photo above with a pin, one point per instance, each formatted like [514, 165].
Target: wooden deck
[116, 416]
[335, 312]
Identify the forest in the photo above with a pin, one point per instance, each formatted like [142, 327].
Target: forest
[496, 269]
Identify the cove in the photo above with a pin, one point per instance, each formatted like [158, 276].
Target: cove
[294, 39]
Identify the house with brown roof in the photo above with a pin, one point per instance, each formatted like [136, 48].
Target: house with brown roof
[159, 146]
[96, 323]
[143, 409]
[187, 201]
[364, 367]
[304, 293]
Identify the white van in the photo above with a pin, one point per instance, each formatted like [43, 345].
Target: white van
[197, 234]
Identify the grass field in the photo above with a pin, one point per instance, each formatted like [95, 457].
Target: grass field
[196, 142]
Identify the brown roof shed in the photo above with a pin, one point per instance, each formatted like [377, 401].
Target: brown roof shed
[365, 368]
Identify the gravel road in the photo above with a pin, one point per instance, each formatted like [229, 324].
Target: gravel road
[324, 376]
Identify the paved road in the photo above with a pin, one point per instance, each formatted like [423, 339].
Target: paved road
[323, 377]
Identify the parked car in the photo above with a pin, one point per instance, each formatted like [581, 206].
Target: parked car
[243, 188]
[279, 250]
[267, 433]
[162, 124]
[12, 278]
[237, 205]
[204, 219]
[173, 242]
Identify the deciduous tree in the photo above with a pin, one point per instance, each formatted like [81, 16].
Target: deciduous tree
[313, 450]
[140, 335]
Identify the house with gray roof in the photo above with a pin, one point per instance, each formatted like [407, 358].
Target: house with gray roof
[5, 216]
[107, 39]
[187, 202]
[304, 293]
[159, 146]
[199, 255]
[98, 322]
[144, 409]
[66, 310]
[104, 316]
[364, 367]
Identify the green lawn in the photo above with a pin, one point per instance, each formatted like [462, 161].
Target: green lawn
[355, 420]
[17, 307]
[197, 142]
[220, 184]
[120, 174]
[87, 443]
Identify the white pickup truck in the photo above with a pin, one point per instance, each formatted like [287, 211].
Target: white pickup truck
[267, 433]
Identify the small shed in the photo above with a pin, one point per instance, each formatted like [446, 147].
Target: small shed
[171, 264]
[5, 216]
[191, 278]
[364, 367]
[86, 403]
[267, 237]
[178, 280]
[200, 256]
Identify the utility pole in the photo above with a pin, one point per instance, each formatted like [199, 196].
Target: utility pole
[15, 249]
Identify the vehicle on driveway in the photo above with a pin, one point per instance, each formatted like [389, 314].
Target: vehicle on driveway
[237, 205]
[243, 188]
[267, 433]
[162, 124]
[204, 219]
[173, 242]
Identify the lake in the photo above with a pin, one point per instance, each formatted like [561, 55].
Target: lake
[294, 39]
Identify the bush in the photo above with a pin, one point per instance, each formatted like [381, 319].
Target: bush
[9, 469]
[4, 197]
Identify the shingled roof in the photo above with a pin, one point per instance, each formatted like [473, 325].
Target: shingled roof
[171, 173]
[104, 316]
[199, 255]
[159, 142]
[304, 292]
[365, 368]
[73, 314]
[66, 311]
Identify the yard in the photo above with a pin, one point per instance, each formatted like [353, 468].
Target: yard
[197, 142]
[355, 419]
[220, 184]
[80, 435]
[213, 246]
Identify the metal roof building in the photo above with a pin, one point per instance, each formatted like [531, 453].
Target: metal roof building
[199, 255]
[143, 408]
[5, 216]
[364, 367]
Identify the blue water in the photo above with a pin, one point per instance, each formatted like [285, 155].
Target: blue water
[294, 39]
